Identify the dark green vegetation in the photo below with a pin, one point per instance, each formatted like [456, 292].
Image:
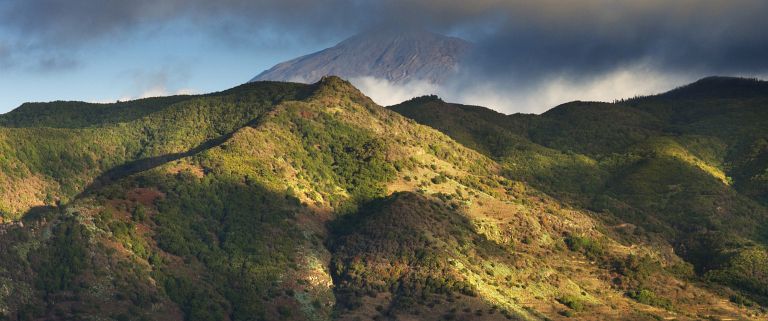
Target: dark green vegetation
[687, 168]
[411, 265]
[278, 201]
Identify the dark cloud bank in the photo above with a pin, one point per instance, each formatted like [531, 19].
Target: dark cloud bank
[521, 44]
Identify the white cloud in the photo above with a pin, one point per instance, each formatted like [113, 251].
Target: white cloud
[160, 91]
[509, 98]
[556, 90]
[386, 93]
[151, 92]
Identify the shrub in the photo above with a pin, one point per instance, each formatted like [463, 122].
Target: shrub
[567, 313]
[741, 300]
[284, 311]
[139, 213]
[593, 249]
[439, 179]
[637, 269]
[571, 302]
[648, 297]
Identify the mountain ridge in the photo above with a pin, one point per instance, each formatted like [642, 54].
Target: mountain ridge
[394, 55]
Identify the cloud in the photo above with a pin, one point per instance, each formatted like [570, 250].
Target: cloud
[385, 92]
[593, 37]
[513, 35]
[530, 56]
[557, 89]
[533, 97]
[72, 23]
[153, 83]
[17, 56]
[5, 55]
[160, 91]
[165, 81]
[556, 33]
[53, 63]
[150, 92]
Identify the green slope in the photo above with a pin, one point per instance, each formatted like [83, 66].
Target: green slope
[310, 202]
[51, 158]
[685, 166]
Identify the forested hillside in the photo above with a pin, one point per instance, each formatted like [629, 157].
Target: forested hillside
[279, 201]
[686, 168]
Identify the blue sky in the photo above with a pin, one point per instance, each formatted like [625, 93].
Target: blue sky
[173, 59]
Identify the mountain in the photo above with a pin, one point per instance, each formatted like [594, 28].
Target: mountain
[285, 201]
[686, 167]
[393, 55]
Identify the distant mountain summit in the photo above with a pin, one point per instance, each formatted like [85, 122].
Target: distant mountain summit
[392, 55]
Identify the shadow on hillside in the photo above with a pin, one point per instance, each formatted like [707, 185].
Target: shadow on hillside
[38, 212]
[239, 235]
[297, 92]
[146, 164]
[134, 167]
[407, 245]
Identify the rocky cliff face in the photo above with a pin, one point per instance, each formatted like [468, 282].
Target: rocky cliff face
[398, 57]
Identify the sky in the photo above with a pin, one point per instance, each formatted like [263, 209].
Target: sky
[530, 55]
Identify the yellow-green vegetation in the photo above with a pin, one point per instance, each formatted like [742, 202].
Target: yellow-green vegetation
[277, 201]
[685, 168]
[42, 165]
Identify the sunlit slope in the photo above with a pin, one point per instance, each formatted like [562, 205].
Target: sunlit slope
[51, 152]
[686, 167]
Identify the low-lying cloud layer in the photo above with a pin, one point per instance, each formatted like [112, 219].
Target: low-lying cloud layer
[534, 97]
[552, 48]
